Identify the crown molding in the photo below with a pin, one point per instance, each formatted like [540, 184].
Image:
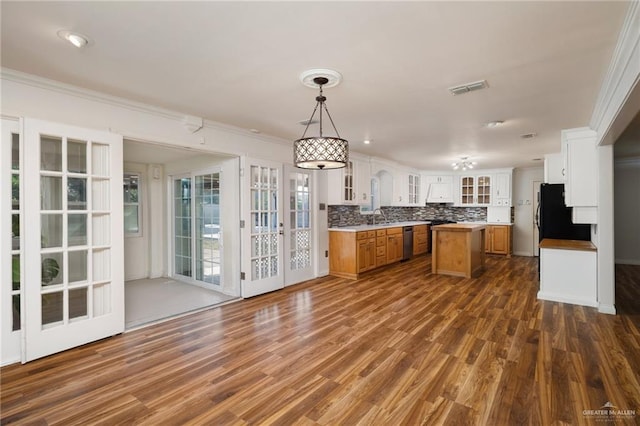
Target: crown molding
[181, 118]
[622, 76]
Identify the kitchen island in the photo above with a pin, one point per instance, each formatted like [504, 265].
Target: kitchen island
[458, 249]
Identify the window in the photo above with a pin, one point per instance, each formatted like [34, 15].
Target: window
[132, 208]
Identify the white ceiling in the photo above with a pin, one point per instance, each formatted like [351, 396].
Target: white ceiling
[238, 63]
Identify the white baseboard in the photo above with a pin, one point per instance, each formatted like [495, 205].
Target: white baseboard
[607, 309]
[10, 361]
[628, 261]
[553, 297]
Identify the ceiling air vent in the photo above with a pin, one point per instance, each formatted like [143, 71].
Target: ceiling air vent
[308, 122]
[468, 87]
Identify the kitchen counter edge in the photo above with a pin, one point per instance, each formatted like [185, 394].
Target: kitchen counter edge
[378, 226]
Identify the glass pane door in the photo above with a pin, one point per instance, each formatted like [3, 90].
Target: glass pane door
[262, 259]
[74, 267]
[298, 232]
[197, 227]
[207, 235]
[182, 226]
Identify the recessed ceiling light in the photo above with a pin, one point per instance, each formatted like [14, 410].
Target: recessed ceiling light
[77, 39]
[308, 122]
[254, 130]
[536, 159]
[529, 135]
[493, 124]
[366, 142]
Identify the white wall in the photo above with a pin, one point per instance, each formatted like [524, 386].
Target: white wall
[523, 201]
[626, 209]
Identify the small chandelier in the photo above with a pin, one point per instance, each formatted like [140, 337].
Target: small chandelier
[320, 152]
[463, 164]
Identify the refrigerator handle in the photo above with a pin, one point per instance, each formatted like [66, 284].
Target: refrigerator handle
[537, 217]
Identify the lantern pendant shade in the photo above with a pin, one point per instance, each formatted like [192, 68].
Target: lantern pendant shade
[320, 152]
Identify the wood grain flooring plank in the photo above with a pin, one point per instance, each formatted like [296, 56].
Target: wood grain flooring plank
[399, 346]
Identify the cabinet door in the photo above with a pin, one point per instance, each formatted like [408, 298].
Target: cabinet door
[502, 189]
[500, 239]
[413, 187]
[363, 255]
[467, 190]
[488, 245]
[362, 187]
[341, 185]
[483, 190]
[394, 248]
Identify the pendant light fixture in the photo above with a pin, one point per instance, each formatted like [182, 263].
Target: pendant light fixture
[320, 152]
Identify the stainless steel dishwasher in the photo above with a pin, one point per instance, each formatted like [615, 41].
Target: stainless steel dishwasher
[407, 242]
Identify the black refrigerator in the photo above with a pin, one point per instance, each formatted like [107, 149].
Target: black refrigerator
[554, 217]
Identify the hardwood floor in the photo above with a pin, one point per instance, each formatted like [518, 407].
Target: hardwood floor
[399, 346]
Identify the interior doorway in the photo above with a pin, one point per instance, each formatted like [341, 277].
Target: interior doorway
[536, 202]
[175, 256]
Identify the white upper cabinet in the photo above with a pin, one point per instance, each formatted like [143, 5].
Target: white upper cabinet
[483, 188]
[363, 182]
[350, 184]
[475, 189]
[502, 189]
[553, 168]
[438, 188]
[414, 188]
[580, 162]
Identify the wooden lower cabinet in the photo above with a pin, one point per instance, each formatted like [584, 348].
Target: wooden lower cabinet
[394, 245]
[366, 253]
[420, 239]
[498, 239]
[352, 253]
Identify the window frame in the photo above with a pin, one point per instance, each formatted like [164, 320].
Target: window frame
[139, 204]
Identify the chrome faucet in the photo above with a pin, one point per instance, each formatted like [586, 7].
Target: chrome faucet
[382, 213]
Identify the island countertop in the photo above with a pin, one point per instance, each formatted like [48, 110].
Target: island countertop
[459, 227]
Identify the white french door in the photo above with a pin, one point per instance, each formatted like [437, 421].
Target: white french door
[74, 264]
[278, 226]
[197, 231]
[298, 230]
[263, 231]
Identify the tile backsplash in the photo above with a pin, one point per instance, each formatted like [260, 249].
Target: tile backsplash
[350, 215]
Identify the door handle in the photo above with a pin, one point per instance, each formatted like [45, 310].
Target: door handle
[281, 232]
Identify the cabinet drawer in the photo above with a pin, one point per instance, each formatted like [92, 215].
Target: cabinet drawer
[381, 260]
[381, 232]
[420, 238]
[381, 251]
[420, 229]
[381, 241]
[392, 231]
[363, 235]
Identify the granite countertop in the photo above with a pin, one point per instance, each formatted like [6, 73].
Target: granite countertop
[460, 227]
[378, 226]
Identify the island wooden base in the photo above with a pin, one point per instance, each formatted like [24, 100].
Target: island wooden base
[458, 250]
